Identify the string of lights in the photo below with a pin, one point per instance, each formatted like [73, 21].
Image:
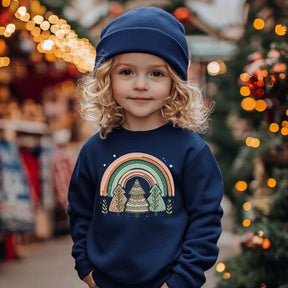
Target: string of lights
[53, 35]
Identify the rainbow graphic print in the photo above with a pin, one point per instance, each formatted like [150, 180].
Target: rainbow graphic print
[137, 168]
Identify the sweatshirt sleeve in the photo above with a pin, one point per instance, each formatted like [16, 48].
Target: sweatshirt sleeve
[203, 191]
[80, 210]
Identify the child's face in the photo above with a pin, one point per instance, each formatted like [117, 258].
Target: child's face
[141, 85]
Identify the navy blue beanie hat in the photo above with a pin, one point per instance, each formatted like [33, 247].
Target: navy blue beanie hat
[146, 30]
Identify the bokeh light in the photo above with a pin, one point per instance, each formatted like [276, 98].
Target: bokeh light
[241, 186]
[259, 24]
[280, 30]
[245, 91]
[274, 127]
[248, 104]
[271, 182]
[247, 206]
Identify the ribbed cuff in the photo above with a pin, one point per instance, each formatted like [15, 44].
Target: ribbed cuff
[84, 268]
[176, 281]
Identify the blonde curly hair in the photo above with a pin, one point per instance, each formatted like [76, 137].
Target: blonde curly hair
[184, 107]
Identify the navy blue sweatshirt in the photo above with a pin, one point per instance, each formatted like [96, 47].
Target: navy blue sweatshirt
[145, 209]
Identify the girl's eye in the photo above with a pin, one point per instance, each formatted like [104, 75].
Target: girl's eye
[157, 74]
[126, 72]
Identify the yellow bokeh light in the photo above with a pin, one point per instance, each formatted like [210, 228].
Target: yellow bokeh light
[248, 104]
[6, 3]
[53, 19]
[61, 22]
[261, 233]
[2, 30]
[47, 45]
[45, 25]
[244, 77]
[249, 141]
[252, 142]
[271, 182]
[220, 267]
[213, 68]
[241, 186]
[37, 7]
[54, 28]
[280, 30]
[274, 127]
[226, 276]
[7, 34]
[4, 61]
[40, 49]
[222, 65]
[60, 34]
[45, 35]
[256, 143]
[10, 28]
[245, 91]
[38, 19]
[260, 105]
[35, 31]
[258, 24]
[284, 131]
[50, 57]
[246, 223]
[30, 25]
[3, 46]
[22, 10]
[287, 112]
[285, 123]
[14, 5]
[247, 206]
[26, 17]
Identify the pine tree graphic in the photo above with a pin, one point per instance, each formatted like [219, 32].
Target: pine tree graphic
[137, 202]
[104, 207]
[118, 201]
[156, 201]
[169, 210]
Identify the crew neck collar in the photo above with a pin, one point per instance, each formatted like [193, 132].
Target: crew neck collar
[144, 132]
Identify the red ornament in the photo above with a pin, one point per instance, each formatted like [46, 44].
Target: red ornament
[116, 9]
[182, 14]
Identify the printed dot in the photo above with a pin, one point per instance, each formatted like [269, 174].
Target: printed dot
[114, 156]
[170, 166]
[104, 165]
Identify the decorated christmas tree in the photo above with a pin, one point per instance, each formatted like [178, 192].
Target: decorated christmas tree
[118, 201]
[260, 168]
[156, 201]
[137, 202]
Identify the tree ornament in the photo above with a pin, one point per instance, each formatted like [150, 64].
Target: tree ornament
[116, 9]
[182, 14]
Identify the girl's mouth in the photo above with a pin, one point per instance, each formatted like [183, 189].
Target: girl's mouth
[140, 99]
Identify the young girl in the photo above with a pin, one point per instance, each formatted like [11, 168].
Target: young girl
[144, 197]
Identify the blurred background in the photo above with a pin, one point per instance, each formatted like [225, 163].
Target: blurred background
[238, 57]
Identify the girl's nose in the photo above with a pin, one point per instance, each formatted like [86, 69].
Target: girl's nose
[140, 83]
